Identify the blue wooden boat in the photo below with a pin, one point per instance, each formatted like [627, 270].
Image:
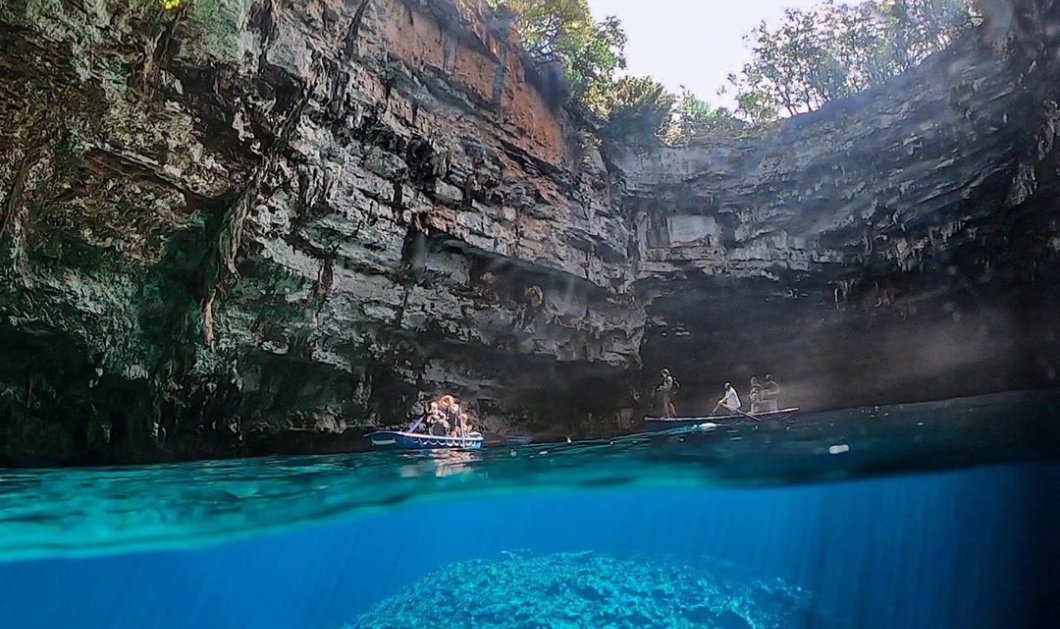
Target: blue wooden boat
[667, 423]
[401, 440]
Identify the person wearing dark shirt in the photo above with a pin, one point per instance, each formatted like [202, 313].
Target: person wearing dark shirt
[666, 391]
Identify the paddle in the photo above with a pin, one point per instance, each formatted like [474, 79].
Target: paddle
[737, 410]
[416, 424]
[747, 415]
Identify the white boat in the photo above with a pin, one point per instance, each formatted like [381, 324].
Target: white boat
[666, 423]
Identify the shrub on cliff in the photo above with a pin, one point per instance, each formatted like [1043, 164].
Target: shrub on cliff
[641, 109]
[692, 117]
[564, 32]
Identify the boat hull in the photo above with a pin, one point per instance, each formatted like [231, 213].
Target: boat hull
[390, 439]
[667, 423]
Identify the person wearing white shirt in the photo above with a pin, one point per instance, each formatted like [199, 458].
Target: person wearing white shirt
[731, 400]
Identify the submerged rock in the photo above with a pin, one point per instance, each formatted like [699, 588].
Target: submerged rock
[589, 590]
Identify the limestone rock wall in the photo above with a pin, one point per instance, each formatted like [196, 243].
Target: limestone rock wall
[252, 218]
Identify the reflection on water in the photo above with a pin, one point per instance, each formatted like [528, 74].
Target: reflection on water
[440, 463]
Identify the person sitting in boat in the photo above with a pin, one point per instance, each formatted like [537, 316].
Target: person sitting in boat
[433, 416]
[454, 419]
[445, 406]
[464, 426]
[423, 422]
[731, 401]
[440, 427]
[666, 391]
[771, 394]
[757, 401]
[438, 423]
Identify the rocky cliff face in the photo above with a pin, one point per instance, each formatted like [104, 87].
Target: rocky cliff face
[258, 226]
[901, 244]
[254, 218]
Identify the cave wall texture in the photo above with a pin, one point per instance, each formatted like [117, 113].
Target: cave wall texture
[263, 226]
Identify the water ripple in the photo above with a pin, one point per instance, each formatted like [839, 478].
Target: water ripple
[91, 511]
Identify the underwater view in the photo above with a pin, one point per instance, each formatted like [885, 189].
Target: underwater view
[328, 314]
[938, 515]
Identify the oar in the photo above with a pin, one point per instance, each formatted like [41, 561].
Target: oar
[738, 411]
[416, 424]
[747, 415]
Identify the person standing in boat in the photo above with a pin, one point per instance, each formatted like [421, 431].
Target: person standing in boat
[665, 392]
[757, 402]
[731, 400]
[771, 394]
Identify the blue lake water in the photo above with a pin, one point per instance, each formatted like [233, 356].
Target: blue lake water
[322, 541]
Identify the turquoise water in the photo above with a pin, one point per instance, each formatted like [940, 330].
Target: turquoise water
[938, 515]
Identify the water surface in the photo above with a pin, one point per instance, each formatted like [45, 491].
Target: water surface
[938, 515]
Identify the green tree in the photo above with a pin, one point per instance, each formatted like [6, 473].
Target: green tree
[920, 27]
[564, 32]
[591, 67]
[835, 50]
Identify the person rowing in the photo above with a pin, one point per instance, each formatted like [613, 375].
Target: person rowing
[428, 418]
[730, 401]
